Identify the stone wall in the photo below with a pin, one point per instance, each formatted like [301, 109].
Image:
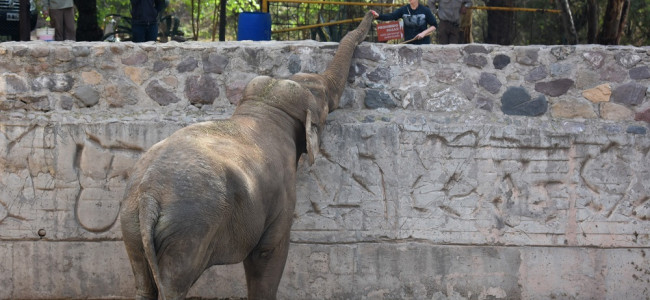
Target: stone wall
[450, 172]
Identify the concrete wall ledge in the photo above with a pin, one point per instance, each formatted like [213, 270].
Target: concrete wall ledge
[450, 172]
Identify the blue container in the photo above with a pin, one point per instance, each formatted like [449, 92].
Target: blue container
[254, 26]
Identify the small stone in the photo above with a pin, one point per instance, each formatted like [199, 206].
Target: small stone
[475, 60]
[137, 58]
[560, 70]
[201, 90]
[294, 64]
[366, 52]
[448, 75]
[536, 74]
[376, 99]
[636, 129]
[501, 61]
[629, 93]
[60, 82]
[67, 103]
[614, 73]
[40, 52]
[573, 109]
[639, 73]
[643, 116]
[160, 65]
[13, 84]
[159, 94]
[356, 70]
[517, 101]
[214, 63]
[601, 93]
[627, 59]
[187, 65]
[37, 103]
[81, 51]
[484, 103]
[63, 54]
[527, 56]
[490, 82]
[368, 119]
[380, 74]
[467, 88]
[595, 59]
[615, 112]
[87, 95]
[409, 55]
[562, 52]
[135, 74]
[473, 48]
[442, 55]
[587, 79]
[554, 88]
[91, 77]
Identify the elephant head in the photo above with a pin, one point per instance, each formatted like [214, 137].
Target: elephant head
[320, 93]
[223, 192]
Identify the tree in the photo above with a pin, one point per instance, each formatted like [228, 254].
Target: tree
[567, 19]
[195, 14]
[614, 22]
[592, 21]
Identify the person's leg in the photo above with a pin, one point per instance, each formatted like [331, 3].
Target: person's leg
[69, 24]
[443, 32]
[56, 21]
[454, 34]
[138, 32]
[152, 32]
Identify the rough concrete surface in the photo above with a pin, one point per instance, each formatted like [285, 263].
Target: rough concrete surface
[450, 172]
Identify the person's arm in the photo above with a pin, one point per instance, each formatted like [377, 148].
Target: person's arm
[426, 32]
[389, 16]
[431, 20]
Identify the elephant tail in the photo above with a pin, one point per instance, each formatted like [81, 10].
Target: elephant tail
[148, 217]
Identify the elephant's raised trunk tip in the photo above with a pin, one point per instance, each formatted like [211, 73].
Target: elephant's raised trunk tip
[336, 73]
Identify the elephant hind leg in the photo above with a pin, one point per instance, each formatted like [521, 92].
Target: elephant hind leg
[144, 282]
[264, 267]
[181, 264]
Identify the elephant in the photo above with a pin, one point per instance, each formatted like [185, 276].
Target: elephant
[223, 192]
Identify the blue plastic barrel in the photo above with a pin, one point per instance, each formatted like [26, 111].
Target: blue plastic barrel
[254, 26]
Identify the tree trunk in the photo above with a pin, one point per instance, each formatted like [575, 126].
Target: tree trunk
[592, 21]
[501, 24]
[222, 20]
[567, 19]
[614, 22]
[87, 27]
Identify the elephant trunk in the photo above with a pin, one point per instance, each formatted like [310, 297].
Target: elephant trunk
[336, 74]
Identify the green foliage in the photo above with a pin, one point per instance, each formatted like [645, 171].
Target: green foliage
[531, 27]
[637, 32]
[107, 7]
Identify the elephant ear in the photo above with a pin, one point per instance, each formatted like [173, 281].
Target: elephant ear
[311, 138]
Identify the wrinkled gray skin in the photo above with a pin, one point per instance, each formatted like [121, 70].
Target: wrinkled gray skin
[223, 192]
